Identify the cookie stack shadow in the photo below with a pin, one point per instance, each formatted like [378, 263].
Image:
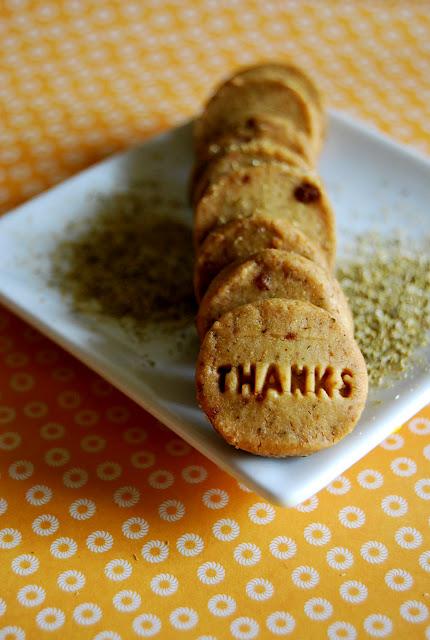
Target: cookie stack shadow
[279, 372]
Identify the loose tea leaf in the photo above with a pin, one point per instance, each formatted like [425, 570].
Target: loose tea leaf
[131, 261]
[388, 288]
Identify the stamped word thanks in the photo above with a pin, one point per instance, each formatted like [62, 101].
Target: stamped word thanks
[278, 379]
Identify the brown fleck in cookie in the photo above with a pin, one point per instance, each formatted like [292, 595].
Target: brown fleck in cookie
[272, 190]
[243, 237]
[281, 378]
[233, 104]
[271, 273]
[247, 154]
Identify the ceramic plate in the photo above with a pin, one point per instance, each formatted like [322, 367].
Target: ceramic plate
[373, 183]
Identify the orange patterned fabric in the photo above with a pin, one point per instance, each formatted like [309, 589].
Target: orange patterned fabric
[110, 526]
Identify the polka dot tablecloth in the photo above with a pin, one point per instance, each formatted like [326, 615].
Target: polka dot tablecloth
[111, 527]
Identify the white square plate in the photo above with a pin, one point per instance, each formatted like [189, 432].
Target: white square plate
[373, 183]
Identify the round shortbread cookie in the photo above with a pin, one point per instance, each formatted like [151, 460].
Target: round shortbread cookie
[271, 273]
[237, 156]
[289, 71]
[234, 103]
[258, 126]
[291, 74]
[272, 190]
[243, 237]
[281, 378]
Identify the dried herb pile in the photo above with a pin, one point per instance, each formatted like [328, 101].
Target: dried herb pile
[388, 287]
[131, 261]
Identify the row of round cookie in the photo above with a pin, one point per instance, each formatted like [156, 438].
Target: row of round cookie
[263, 225]
[261, 193]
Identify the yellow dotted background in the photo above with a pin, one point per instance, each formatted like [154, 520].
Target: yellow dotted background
[110, 526]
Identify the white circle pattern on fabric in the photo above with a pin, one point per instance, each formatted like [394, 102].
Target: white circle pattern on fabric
[374, 552]
[259, 589]
[422, 488]
[339, 486]
[261, 513]
[244, 628]
[38, 495]
[247, 554]
[118, 569]
[21, 470]
[82, 509]
[280, 623]
[135, 528]
[45, 525]
[340, 558]
[63, 548]
[398, 579]
[353, 591]
[164, 584]
[408, 538]
[50, 619]
[424, 561]
[414, 611]
[99, 541]
[211, 573]
[107, 635]
[25, 564]
[317, 534]
[71, 580]
[183, 618]
[215, 499]
[87, 613]
[126, 497]
[161, 479]
[420, 426]
[32, 595]
[318, 609]
[226, 530]
[190, 544]
[171, 510]
[403, 467]
[12, 632]
[146, 625]
[305, 577]
[283, 548]
[155, 551]
[194, 474]
[308, 505]
[352, 517]
[393, 442]
[370, 479]
[341, 631]
[378, 625]
[394, 506]
[75, 478]
[222, 605]
[126, 601]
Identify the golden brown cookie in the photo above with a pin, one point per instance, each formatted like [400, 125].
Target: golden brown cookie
[281, 378]
[235, 104]
[243, 237]
[260, 126]
[291, 74]
[293, 77]
[235, 156]
[272, 190]
[271, 273]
